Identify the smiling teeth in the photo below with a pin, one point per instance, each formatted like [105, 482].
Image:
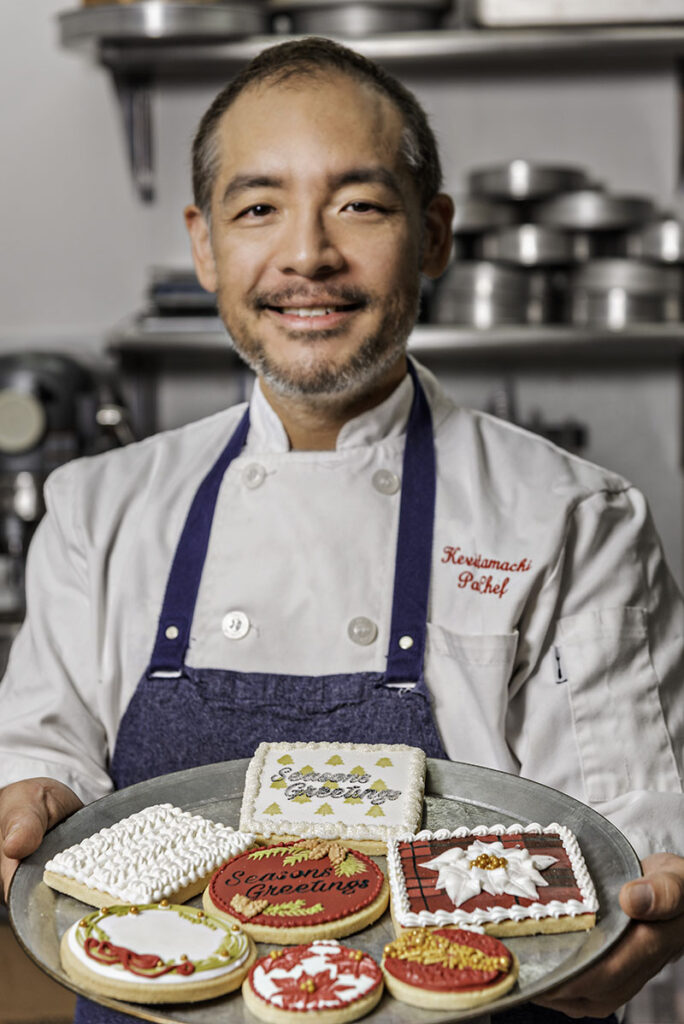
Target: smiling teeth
[308, 310]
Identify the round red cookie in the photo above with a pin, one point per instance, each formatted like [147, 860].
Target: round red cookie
[448, 968]
[325, 979]
[298, 891]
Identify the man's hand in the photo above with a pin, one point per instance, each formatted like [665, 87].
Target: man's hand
[656, 936]
[27, 810]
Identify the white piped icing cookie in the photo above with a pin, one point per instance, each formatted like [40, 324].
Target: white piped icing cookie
[159, 852]
[156, 953]
[509, 881]
[364, 793]
[323, 978]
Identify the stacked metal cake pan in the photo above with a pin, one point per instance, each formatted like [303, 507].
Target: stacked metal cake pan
[537, 244]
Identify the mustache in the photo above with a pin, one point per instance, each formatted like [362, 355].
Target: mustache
[332, 295]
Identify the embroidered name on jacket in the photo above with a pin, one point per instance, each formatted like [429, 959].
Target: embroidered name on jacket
[480, 583]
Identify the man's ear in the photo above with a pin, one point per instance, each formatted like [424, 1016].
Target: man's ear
[200, 243]
[438, 237]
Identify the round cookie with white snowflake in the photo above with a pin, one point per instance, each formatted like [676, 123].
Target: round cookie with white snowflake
[325, 980]
[156, 953]
[448, 968]
[298, 891]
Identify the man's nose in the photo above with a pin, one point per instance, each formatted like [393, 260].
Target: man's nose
[308, 247]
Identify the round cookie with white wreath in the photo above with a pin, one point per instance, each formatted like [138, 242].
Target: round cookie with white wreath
[156, 953]
[448, 968]
[298, 891]
[324, 980]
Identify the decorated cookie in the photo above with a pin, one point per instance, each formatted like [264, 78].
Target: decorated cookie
[362, 793]
[448, 968]
[510, 881]
[159, 853]
[325, 979]
[298, 891]
[156, 953]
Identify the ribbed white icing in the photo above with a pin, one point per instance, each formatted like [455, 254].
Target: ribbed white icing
[160, 931]
[493, 915]
[150, 855]
[399, 815]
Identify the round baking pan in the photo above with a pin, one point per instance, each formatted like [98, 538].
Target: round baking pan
[533, 245]
[472, 217]
[662, 241]
[593, 210]
[483, 294]
[523, 179]
[365, 17]
[617, 293]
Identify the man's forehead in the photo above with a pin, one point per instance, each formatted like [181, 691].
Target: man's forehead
[327, 96]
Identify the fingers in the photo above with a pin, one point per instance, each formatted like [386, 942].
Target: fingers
[614, 980]
[659, 895]
[27, 810]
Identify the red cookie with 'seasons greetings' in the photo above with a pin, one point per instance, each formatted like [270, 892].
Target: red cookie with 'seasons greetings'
[298, 891]
[448, 968]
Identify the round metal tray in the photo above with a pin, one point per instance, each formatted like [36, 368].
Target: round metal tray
[455, 794]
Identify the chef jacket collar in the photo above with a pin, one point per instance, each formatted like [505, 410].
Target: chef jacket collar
[267, 433]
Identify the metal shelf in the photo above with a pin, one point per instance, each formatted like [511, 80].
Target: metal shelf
[166, 336]
[142, 41]
[177, 37]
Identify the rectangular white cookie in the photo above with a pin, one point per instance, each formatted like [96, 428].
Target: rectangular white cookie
[351, 791]
[160, 852]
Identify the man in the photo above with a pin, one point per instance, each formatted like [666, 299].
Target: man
[295, 548]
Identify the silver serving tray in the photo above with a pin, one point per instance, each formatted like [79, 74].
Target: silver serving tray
[455, 794]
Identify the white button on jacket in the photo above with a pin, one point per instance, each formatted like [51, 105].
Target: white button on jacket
[555, 634]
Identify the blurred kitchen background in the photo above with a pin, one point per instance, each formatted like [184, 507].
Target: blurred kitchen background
[561, 126]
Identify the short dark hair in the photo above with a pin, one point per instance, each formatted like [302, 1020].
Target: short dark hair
[310, 56]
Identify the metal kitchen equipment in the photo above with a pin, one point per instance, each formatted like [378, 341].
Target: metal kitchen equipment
[594, 210]
[615, 293]
[662, 241]
[516, 13]
[473, 216]
[482, 294]
[356, 17]
[533, 245]
[52, 409]
[525, 180]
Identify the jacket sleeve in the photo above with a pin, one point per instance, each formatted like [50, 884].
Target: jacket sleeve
[49, 720]
[597, 708]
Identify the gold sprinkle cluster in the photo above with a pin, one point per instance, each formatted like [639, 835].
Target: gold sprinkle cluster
[308, 985]
[488, 862]
[422, 946]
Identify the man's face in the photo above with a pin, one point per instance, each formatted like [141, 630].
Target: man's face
[315, 246]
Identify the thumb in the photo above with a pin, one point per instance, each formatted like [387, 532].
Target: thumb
[659, 895]
[23, 830]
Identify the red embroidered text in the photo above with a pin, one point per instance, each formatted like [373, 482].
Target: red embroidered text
[455, 557]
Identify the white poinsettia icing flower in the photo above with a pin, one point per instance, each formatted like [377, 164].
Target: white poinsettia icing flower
[488, 867]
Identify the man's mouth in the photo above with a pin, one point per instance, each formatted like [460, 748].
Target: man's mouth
[318, 317]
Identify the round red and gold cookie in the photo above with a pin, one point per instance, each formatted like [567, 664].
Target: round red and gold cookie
[448, 968]
[325, 979]
[298, 891]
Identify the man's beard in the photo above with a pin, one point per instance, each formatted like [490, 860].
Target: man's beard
[311, 375]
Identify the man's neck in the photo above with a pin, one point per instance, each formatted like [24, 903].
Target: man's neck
[313, 422]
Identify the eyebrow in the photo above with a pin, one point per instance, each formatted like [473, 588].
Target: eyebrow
[354, 176]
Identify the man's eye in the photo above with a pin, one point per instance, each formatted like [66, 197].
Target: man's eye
[361, 206]
[257, 210]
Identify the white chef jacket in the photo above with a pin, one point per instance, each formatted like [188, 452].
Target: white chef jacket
[555, 635]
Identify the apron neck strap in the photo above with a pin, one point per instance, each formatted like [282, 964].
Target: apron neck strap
[412, 563]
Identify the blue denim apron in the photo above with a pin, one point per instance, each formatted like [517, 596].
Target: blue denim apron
[181, 717]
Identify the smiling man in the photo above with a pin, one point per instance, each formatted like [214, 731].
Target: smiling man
[349, 556]
[314, 233]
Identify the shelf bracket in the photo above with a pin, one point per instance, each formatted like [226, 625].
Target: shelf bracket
[134, 94]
